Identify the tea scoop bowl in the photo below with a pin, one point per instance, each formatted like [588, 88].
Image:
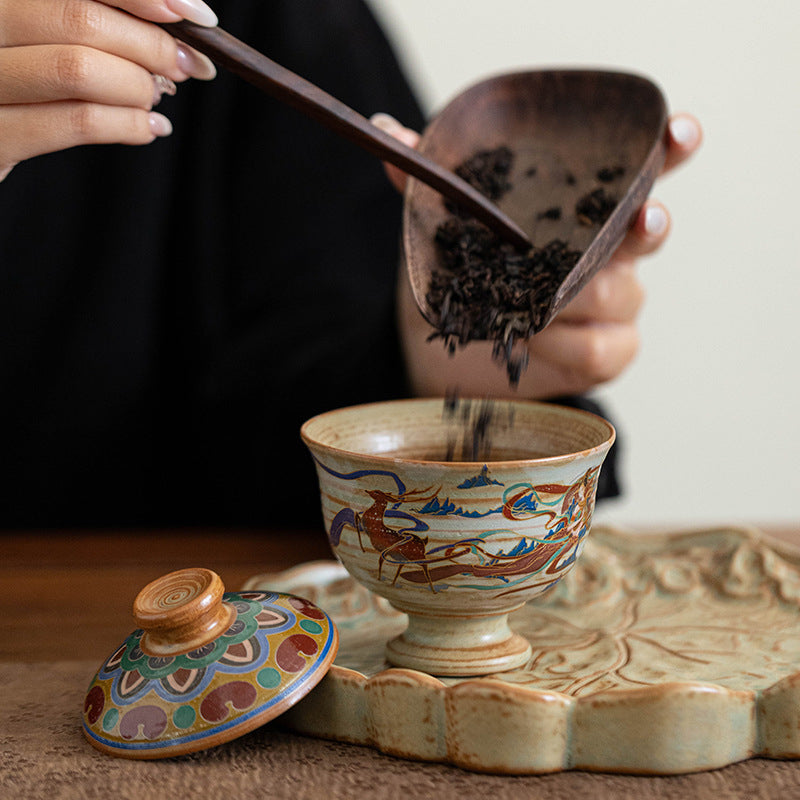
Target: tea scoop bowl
[457, 544]
[571, 132]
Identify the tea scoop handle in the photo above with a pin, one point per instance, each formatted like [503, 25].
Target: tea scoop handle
[182, 611]
[295, 91]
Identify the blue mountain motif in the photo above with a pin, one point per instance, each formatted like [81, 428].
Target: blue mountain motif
[482, 479]
[523, 547]
[525, 503]
[447, 507]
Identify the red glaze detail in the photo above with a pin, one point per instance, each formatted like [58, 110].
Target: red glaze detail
[182, 679]
[115, 659]
[304, 607]
[289, 655]
[129, 682]
[267, 618]
[94, 704]
[235, 696]
[239, 651]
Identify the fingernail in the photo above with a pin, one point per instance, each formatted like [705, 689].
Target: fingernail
[386, 123]
[194, 10]
[684, 131]
[655, 220]
[162, 86]
[194, 64]
[159, 124]
[390, 125]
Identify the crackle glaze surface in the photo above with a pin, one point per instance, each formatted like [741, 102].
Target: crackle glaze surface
[657, 653]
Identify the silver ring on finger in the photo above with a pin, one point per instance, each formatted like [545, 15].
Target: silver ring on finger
[162, 86]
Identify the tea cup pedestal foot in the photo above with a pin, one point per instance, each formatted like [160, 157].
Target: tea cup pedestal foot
[458, 646]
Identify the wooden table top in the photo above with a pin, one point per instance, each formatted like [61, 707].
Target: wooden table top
[69, 595]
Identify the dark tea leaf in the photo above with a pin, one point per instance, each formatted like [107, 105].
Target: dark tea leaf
[485, 288]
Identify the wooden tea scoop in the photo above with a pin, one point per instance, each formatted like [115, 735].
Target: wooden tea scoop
[571, 133]
[289, 88]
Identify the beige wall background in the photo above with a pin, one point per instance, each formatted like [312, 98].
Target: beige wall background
[709, 414]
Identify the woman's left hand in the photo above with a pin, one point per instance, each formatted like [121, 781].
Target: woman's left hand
[590, 342]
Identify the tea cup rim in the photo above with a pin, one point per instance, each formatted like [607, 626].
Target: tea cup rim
[562, 458]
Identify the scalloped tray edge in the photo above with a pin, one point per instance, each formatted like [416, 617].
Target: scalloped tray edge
[487, 725]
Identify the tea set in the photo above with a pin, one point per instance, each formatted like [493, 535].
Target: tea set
[468, 615]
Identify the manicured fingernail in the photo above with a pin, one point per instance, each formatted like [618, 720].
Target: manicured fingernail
[390, 125]
[386, 123]
[194, 64]
[159, 124]
[655, 220]
[684, 131]
[195, 11]
[162, 86]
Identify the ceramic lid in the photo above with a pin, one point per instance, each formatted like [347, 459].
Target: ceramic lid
[205, 666]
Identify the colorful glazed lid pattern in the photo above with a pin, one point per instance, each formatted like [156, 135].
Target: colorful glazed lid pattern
[205, 666]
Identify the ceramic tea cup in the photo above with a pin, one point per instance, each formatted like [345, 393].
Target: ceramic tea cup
[457, 544]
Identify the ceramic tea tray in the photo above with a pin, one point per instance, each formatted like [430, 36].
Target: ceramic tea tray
[657, 654]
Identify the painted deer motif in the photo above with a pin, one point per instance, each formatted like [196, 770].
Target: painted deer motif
[564, 521]
[403, 547]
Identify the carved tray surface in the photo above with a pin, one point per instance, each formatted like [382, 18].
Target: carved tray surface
[659, 653]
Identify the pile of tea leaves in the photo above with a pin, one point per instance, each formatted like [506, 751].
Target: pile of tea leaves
[487, 289]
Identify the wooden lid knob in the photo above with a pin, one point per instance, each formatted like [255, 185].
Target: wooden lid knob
[181, 612]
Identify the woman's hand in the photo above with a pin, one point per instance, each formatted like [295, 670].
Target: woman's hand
[590, 342]
[78, 72]
[595, 338]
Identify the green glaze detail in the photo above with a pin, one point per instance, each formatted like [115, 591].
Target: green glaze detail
[110, 719]
[269, 678]
[310, 627]
[184, 717]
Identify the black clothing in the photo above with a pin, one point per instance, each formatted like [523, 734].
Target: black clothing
[171, 314]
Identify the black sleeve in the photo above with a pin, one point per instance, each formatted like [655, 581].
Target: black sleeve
[171, 314]
[608, 485]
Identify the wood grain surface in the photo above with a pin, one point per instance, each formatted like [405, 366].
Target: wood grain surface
[69, 595]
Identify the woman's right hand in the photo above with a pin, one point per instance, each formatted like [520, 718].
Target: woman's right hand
[78, 72]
